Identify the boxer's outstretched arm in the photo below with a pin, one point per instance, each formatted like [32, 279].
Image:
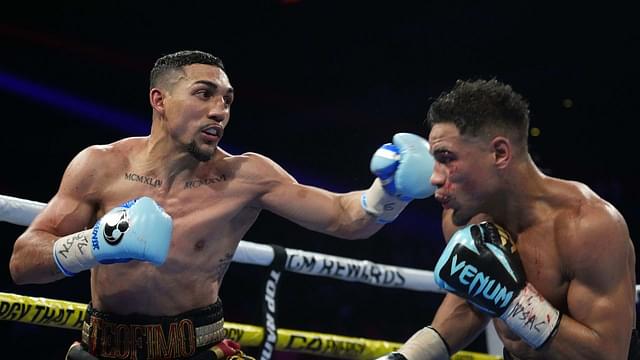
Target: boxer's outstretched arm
[336, 214]
[403, 169]
[70, 210]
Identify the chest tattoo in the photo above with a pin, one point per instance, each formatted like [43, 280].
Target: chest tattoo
[147, 180]
[196, 183]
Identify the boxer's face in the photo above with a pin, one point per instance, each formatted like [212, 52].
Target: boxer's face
[463, 174]
[198, 108]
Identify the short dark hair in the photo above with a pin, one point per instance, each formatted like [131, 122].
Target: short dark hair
[177, 60]
[475, 105]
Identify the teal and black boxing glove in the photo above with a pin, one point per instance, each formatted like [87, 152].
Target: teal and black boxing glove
[403, 169]
[136, 230]
[480, 263]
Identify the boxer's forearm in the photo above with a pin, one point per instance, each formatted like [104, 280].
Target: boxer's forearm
[458, 323]
[31, 262]
[354, 222]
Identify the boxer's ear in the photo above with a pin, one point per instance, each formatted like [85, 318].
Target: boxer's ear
[156, 98]
[502, 151]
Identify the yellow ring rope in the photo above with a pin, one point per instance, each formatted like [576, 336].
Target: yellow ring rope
[69, 315]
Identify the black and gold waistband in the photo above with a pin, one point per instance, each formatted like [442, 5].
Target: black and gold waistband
[108, 335]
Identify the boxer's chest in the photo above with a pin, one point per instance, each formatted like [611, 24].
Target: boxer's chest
[538, 249]
[203, 207]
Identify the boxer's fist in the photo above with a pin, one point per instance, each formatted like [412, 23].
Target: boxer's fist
[480, 264]
[403, 169]
[136, 230]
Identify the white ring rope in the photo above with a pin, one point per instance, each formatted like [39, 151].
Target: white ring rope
[22, 212]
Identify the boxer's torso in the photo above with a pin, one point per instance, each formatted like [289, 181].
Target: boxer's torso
[211, 210]
[549, 248]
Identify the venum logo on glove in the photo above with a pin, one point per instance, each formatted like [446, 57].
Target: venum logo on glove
[480, 264]
[116, 224]
[484, 290]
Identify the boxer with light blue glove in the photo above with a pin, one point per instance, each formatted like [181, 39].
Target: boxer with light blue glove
[136, 230]
[403, 169]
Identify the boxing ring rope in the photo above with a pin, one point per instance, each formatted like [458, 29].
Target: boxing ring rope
[22, 212]
[66, 314]
[69, 315]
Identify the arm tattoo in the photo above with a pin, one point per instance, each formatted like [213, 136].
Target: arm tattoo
[223, 265]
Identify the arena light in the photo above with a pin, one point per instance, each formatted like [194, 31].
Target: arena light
[87, 110]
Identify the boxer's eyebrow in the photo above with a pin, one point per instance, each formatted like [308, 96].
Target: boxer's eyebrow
[213, 85]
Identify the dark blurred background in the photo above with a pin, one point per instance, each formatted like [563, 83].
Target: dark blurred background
[319, 86]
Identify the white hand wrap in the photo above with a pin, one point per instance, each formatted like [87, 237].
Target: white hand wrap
[426, 344]
[532, 318]
[72, 253]
[383, 206]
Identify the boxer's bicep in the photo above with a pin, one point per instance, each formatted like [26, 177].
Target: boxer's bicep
[600, 297]
[72, 208]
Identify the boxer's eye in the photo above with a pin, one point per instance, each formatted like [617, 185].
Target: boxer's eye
[204, 94]
[443, 156]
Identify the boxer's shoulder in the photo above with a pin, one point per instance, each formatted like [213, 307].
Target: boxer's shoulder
[257, 168]
[585, 227]
[117, 153]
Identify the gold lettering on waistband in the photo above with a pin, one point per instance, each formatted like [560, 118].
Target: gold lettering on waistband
[180, 342]
[129, 341]
[123, 342]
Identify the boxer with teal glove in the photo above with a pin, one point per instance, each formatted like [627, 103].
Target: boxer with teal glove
[481, 264]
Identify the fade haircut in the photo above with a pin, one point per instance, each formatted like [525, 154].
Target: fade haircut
[477, 107]
[174, 62]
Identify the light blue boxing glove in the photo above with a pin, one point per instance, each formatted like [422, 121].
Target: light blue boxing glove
[136, 230]
[403, 169]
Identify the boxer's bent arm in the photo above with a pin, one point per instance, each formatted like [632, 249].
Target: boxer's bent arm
[601, 297]
[458, 322]
[69, 211]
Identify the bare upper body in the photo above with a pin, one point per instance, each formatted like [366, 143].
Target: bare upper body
[212, 196]
[575, 247]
